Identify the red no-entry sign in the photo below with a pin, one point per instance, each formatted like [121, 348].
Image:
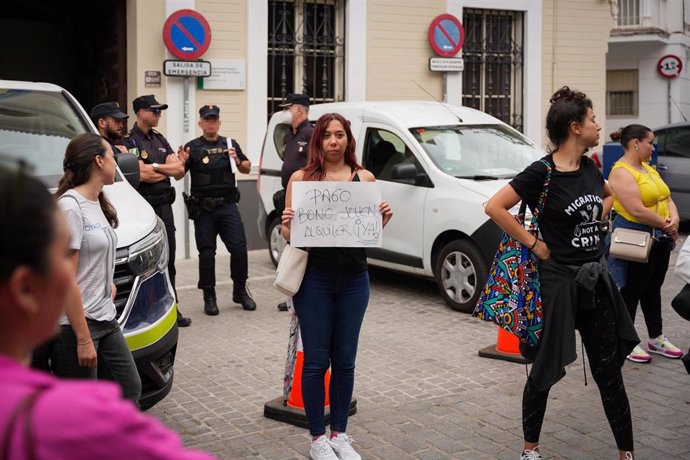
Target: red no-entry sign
[186, 34]
[446, 35]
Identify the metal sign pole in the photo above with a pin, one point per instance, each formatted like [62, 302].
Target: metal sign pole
[186, 135]
[668, 97]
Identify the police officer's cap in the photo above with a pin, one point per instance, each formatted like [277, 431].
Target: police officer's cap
[209, 111]
[147, 102]
[299, 99]
[107, 109]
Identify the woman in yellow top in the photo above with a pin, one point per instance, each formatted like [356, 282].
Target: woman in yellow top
[643, 202]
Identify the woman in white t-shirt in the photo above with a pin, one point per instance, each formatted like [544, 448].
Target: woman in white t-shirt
[90, 343]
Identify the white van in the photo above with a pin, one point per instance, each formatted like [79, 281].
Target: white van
[37, 121]
[437, 166]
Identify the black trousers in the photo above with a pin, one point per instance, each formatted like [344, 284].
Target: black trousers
[164, 211]
[224, 221]
[643, 285]
[598, 332]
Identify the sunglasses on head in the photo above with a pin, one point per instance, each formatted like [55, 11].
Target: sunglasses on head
[154, 111]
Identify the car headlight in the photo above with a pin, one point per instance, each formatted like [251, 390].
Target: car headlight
[150, 254]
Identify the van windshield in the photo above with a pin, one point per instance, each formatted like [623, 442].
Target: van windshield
[477, 152]
[37, 126]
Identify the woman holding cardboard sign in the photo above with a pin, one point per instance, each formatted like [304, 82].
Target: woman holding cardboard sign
[333, 296]
[643, 202]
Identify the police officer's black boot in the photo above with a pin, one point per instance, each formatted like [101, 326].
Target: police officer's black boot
[182, 321]
[210, 305]
[241, 295]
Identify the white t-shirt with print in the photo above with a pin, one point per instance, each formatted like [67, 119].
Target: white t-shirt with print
[96, 241]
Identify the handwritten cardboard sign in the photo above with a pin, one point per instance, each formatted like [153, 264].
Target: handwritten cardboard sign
[336, 214]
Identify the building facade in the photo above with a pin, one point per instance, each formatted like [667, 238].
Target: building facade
[637, 90]
[516, 54]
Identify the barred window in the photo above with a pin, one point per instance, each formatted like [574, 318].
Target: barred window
[305, 50]
[493, 52]
[629, 13]
[621, 92]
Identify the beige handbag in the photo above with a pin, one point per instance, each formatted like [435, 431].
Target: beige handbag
[290, 271]
[631, 245]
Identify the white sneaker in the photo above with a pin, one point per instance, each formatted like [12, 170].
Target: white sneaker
[531, 454]
[638, 355]
[321, 449]
[342, 446]
[662, 346]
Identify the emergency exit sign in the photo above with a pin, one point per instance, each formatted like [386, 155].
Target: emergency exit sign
[173, 68]
[446, 64]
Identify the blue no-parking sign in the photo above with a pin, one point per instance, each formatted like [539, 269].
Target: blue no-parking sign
[446, 35]
[186, 34]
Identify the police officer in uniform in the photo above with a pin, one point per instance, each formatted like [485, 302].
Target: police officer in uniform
[110, 122]
[158, 162]
[295, 147]
[213, 162]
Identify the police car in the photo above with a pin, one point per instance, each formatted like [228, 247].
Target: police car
[437, 166]
[37, 121]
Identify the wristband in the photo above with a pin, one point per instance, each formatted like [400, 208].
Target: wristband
[536, 240]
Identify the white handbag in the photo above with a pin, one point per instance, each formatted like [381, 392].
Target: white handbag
[290, 271]
[631, 245]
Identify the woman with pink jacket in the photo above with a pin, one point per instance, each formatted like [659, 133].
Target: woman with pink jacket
[41, 416]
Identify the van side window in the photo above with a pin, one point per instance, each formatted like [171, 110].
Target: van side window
[676, 143]
[383, 150]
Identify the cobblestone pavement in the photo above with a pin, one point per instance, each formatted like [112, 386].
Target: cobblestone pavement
[422, 390]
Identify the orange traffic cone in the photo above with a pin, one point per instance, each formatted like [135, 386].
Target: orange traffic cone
[507, 348]
[291, 409]
[295, 398]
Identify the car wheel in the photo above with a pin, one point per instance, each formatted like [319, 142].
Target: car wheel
[276, 242]
[461, 271]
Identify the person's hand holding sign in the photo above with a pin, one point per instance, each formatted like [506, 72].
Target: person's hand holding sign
[386, 212]
[288, 214]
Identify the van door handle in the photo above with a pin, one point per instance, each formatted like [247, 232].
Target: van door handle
[662, 167]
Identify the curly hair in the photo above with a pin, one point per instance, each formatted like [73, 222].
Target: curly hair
[567, 106]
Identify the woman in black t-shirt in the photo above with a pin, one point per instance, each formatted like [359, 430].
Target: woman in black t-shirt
[577, 291]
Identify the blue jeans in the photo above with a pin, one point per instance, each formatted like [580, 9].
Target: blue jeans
[330, 306]
[115, 361]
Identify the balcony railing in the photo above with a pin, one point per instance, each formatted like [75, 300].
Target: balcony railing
[629, 13]
[640, 17]
[644, 14]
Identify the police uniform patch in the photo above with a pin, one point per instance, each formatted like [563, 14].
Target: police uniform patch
[205, 160]
[144, 154]
[134, 151]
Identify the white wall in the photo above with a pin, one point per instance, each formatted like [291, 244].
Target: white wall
[643, 52]
[176, 135]
[655, 107]
[356, 50]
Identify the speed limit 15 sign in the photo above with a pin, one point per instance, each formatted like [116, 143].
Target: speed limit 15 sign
[669, 66]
